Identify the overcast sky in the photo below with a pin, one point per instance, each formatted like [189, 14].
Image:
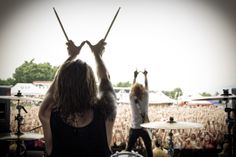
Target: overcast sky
[188, 44]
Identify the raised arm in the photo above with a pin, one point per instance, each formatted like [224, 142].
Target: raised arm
[135, 76]
[145, 79]
[105, 86]
[106, 91]
[98, 50]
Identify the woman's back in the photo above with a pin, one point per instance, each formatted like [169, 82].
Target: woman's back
[87, 141]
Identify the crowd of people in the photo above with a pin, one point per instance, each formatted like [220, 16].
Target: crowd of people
[211, 136]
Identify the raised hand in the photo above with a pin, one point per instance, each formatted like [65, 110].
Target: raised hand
[135, 73]
[145, 72]
[73, 50]
[98, 48]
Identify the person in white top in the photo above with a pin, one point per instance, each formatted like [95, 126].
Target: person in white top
[139, 98]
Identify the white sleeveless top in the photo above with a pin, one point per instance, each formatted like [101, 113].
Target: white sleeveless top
[137, 109]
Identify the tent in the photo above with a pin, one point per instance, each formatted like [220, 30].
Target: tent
[26, 89]
[122, 94]
[157, 97]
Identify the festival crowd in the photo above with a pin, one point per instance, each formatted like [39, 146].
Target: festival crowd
[211, 136]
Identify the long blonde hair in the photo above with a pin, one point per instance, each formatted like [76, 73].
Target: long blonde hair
[138, 91]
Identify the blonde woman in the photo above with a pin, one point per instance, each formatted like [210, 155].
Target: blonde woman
[139, 98]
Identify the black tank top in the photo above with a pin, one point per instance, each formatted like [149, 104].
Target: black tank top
[88, 141]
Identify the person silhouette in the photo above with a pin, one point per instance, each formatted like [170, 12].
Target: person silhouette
[77, 116]
[139, 98]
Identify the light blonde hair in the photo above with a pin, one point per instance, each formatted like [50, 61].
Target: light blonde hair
[138, 90]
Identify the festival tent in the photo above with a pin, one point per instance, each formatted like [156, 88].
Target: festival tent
[157, 97]
[42, 85]
[26, 89]
[122, 94]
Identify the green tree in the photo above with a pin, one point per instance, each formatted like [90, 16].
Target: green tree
[177, 92]
[7, 82]
[30, 71]
[205, 94]
[174, 94]
[123, 84]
